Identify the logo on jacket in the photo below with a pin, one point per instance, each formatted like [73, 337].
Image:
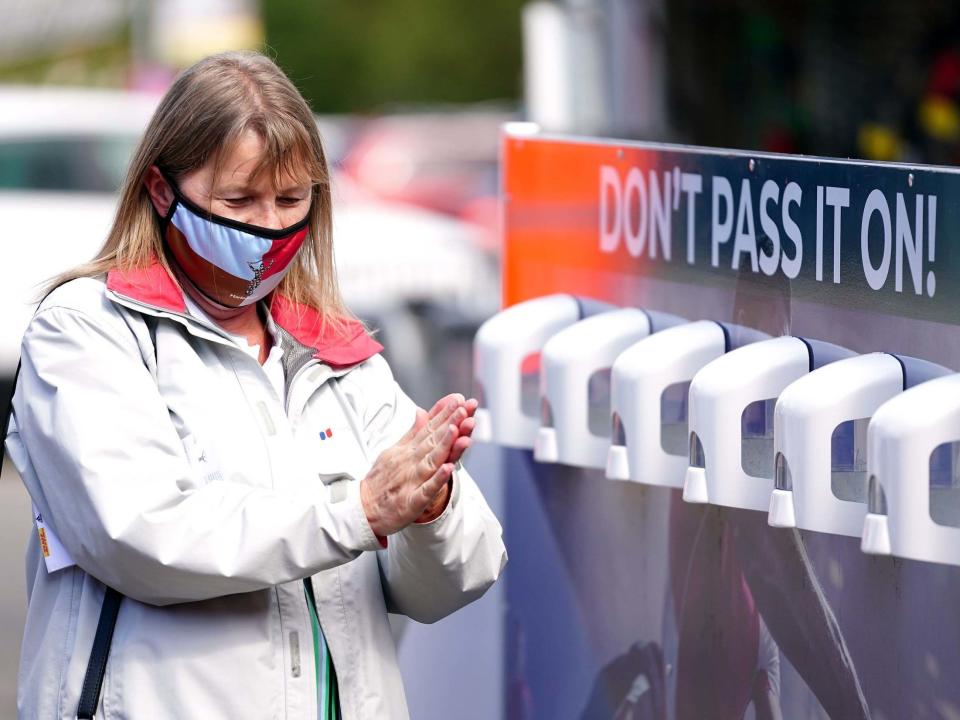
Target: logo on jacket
[324, 434]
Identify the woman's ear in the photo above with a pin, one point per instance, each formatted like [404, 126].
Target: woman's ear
[161, 195]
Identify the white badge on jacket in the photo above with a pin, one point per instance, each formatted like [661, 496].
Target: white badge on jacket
[55, 555]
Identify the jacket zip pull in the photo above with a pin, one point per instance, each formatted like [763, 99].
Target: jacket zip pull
[295, 667]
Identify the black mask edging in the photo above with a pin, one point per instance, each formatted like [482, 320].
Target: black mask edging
[257, 230]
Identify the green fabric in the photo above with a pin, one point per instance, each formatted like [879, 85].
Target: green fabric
[328, 700]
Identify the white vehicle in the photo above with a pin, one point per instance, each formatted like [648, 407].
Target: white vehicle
[62, 155]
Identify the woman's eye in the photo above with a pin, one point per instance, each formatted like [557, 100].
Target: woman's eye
[290, 200]
[236, 201]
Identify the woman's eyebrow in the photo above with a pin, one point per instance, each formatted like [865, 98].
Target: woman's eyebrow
[240, 189]
[232, 190]
[293, 189]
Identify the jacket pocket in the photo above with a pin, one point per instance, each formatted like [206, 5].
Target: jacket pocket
[335, 477]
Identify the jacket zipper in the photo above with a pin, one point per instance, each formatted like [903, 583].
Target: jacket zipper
[315, 632]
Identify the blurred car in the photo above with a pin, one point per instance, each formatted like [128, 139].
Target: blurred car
[424, 282]
[63, 154]
[442, 160]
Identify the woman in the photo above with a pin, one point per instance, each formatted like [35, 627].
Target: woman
[213, 439]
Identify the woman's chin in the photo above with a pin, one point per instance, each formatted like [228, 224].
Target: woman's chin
[214, 310]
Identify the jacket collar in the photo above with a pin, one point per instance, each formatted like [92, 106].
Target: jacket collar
[153, 286]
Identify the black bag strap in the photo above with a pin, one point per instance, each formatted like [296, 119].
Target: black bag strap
[97, 665]
[7, 415]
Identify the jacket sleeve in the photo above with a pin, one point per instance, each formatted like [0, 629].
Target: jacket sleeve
[108, 471]
[430, 570]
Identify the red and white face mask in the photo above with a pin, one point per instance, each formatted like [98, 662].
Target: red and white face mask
[232, 264]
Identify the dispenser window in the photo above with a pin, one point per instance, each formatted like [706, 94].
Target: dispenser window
[546, 414]
[782, 479]
[530, 385]
[848, 460]
[598, 403]
[673, 419]
[945, 484]
[756, 438]
[696, 458]
[876, 498]
[618, 436]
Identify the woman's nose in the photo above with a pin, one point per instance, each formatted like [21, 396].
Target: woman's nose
[268, 216]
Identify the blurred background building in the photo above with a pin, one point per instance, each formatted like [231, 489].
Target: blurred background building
[409, 95]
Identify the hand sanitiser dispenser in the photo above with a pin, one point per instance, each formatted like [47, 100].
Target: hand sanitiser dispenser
[911, 439]
[507, 364]
[575, 384]
[650, 382]
[731, 407]
[820, 439]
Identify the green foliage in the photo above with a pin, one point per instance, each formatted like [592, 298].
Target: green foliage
[104, 64]
[359, 55]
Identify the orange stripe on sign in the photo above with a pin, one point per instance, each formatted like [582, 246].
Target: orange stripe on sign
[552, 205]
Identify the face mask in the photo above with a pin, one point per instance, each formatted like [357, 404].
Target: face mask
[232, 264]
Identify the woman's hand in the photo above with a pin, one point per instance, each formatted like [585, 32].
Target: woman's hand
[465, 429]
[406, 478]
[460, 446]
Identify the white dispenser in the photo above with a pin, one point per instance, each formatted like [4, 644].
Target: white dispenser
[649, 389]
[808, 414]
[901, 440]
[575, 384]
[820, 432]
[731, 407]
[649, 385]
[507, 365]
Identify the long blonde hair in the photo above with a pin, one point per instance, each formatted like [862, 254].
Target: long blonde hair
[207, 109]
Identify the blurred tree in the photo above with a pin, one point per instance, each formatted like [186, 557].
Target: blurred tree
[358, 55]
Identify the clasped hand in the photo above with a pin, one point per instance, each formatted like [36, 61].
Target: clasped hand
[408, 482]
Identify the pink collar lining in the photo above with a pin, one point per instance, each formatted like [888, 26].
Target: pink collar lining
[153, 286]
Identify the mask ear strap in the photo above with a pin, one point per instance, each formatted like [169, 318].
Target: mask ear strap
[177, 198]
[165, 220]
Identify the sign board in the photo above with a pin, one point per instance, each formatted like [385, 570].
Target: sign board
[880, 237]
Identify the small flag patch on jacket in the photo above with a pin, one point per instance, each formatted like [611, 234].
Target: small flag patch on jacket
[324, 434]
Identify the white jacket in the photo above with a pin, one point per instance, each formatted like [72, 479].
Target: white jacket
[161, 456]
